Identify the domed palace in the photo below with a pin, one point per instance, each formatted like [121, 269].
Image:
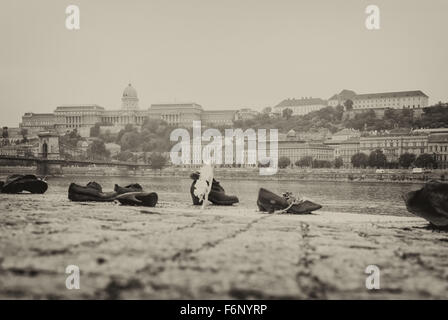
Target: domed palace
[129, 101]
[83, 117]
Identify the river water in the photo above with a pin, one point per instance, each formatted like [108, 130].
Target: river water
[353, 197]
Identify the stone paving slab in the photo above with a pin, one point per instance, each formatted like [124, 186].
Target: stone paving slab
[217, 253]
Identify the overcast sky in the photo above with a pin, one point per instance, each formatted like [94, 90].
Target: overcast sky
[218, 53]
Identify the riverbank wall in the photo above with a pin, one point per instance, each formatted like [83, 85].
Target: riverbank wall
[351, 175]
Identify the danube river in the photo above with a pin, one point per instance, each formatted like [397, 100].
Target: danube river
[349, 197]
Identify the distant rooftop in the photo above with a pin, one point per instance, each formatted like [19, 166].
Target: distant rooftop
[431, 130]
[344, 95]
[346, 131]
[350, 140]
[301, 102]
[32, 114]
[79, 106]
[176, 104]
[398, 94]
[220, 111]
[394, 133]
[438, 138]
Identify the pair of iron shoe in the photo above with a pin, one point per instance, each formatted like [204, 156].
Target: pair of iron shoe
[217, 194]
[270, 202]
[132, 194]
[267, 200]
[18, 183]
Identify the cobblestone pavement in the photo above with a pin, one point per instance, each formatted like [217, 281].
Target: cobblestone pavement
[218, 253]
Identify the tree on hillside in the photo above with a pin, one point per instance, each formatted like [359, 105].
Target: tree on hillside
[107, 137]
[151, 145]
[70, 139]
[155, 136]
[266, 110]
[339, 112]
[95, 131]
[130, 141]
[338, 162]
[157, 161]
[5, 133]
[377, 159]
[127, 128]
[366, 120]
[406, 119]
[24, 134]
[287, 113]
[435, 116]
[406, 159]
[425, 161]
[125, 156]
[332, 119]
[283, 162]
[401, 118]
[329, 118]
[359, 160]
[97, 151]
[348, 104]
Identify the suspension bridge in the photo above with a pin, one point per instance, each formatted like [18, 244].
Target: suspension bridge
[49, 160]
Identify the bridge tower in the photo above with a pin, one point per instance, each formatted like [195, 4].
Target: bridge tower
[48, 150]
[48, 145]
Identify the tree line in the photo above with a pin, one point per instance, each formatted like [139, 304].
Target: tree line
[309, 161]
[377, 159]
[128, 138]
[337, 118]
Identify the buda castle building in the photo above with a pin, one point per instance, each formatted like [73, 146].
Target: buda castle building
[83, 117]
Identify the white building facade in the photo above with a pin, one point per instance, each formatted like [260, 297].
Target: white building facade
[301, 106]
[393, 100]
[83, 117]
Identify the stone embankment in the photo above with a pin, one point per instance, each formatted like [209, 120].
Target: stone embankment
[355, 175]
[218, 253]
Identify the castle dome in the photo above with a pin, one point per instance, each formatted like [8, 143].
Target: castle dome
[129, 92]
[129, 101]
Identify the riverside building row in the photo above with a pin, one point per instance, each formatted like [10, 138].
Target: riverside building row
[393, 144]
[348, 142]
